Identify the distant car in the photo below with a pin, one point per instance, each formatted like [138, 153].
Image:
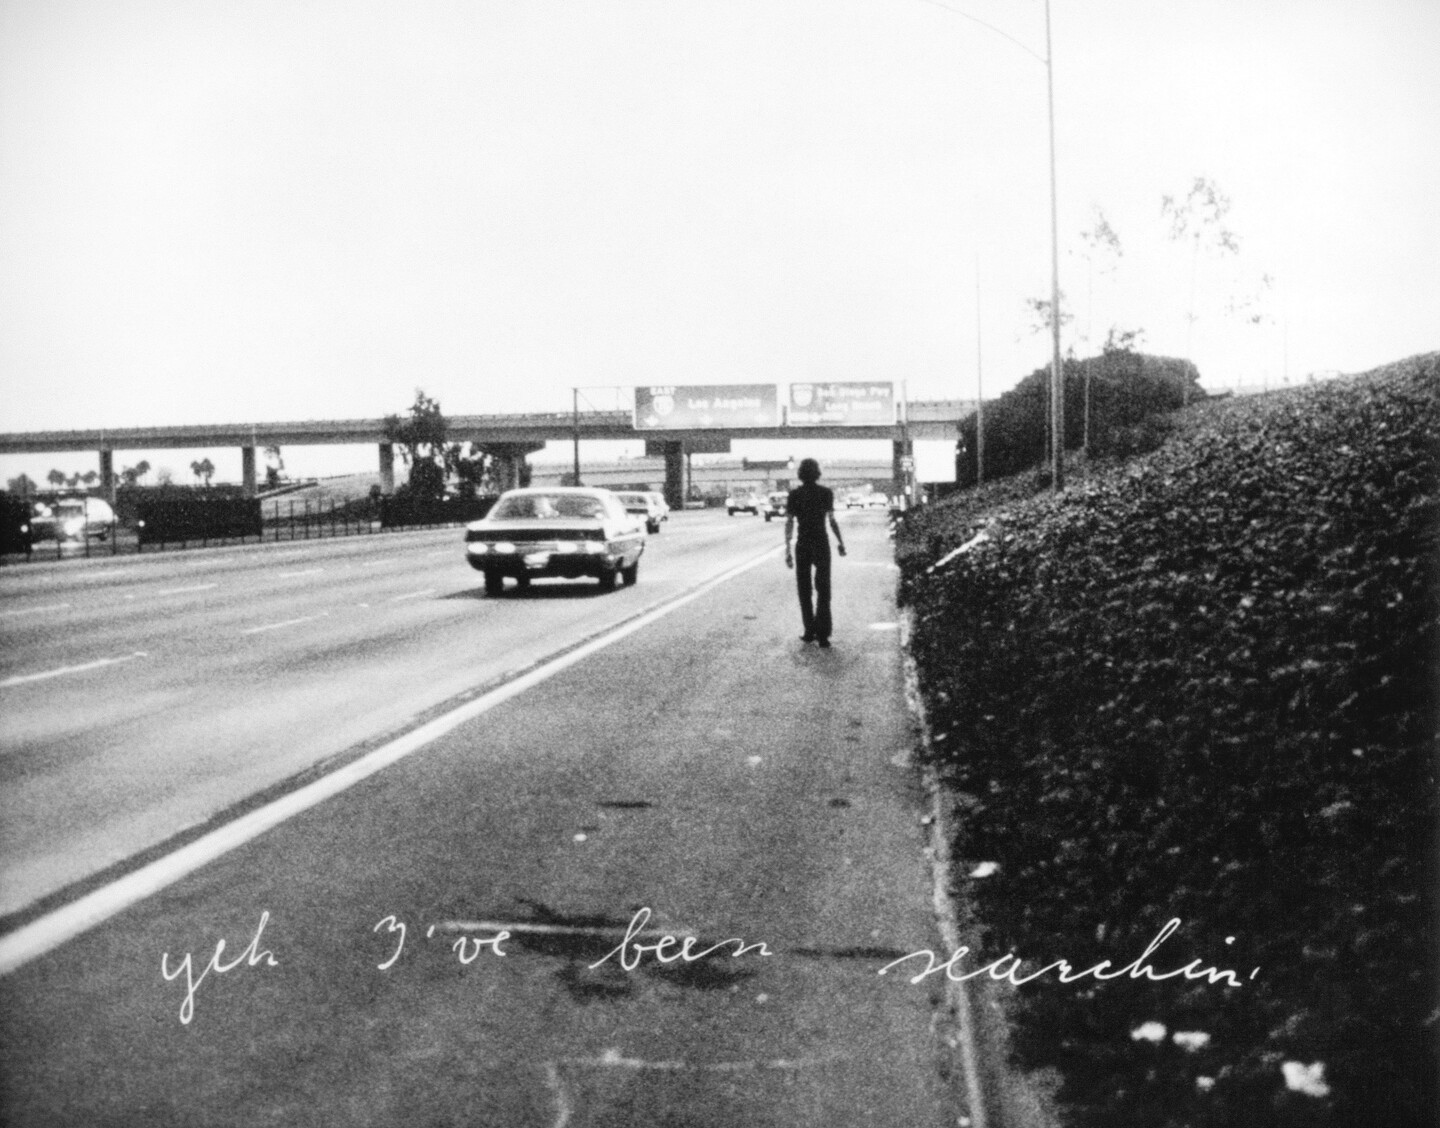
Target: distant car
[877, 501]
[743, 503]
[854, 501]
[72, 518]
[661, 504]
[567, 531]
[642, 505]
[775, 504]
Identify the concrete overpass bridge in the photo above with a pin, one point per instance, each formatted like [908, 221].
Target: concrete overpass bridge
[508, 439]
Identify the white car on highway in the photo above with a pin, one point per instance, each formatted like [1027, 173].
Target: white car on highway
[567, 531]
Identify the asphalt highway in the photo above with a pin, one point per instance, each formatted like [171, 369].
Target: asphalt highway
[470, 927]
[142, 696]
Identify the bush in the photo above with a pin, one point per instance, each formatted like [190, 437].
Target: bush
[1126, 390]
[1204, 687]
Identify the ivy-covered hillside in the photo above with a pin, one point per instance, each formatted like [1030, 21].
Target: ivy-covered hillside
[1202, 685]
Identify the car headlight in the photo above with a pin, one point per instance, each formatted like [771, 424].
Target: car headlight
[74, 525]
[502, 546]
[477, 549]
[565, 546]
[595, 548]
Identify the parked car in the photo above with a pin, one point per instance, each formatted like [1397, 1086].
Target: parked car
[72, 518]
[877, 501]
[775, 504]
[567, 531]
[854, 501]
[662, 505]
[743, 502]
[642, 505]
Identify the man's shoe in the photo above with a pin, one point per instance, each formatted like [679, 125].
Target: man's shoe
[825, 643]
[807, 638]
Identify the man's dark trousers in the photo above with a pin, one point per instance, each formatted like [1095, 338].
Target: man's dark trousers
[816, 618]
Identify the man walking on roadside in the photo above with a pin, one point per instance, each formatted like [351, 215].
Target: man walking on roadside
[809, 507]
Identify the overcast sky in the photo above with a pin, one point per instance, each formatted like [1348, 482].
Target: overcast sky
[253, 211]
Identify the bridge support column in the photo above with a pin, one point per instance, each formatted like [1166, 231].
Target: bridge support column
[508, 468]
[902, 470]
[107, 474]
[247, 470]
[387, 469]
[675, 474]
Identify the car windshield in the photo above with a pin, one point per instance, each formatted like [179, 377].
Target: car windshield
[542, 507]
[633, 499]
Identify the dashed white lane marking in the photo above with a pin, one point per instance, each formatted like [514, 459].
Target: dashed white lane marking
[187, 590]
[21, 679]
[613, 1059]
[413, 595]
[562, 1098]
[884, 626]
[50, 931]
[373, 563]
[286, 623]
[208, 563]
[36, 610]
[293, 575]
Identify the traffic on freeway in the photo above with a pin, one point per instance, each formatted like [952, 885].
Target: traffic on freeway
[324, 834]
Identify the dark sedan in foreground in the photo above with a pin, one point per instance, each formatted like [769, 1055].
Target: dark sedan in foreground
[561, 531]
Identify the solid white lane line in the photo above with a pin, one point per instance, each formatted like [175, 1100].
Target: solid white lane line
[186, 590]
[413, 595]
[286, 623]
[36, 610]
[21, 679]
[293, 575]
[53, 929]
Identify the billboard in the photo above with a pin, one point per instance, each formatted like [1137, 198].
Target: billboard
[841, 404]
[672, 407]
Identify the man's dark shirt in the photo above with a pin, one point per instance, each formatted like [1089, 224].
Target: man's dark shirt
[810, 504]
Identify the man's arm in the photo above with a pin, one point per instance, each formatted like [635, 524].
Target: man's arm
[835, 528]
[789, 532]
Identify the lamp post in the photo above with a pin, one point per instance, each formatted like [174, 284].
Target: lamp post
[1057, 372]
[1057, 369]
[575, 429]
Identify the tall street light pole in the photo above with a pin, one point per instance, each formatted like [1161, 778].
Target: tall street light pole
[1057, 372]
[1057, 369]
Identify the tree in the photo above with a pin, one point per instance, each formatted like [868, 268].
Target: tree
[203, 469]
[91, 477]
[1200, 219]
[131, 475]
[433, 460]
[56, 478]
[1102, 253]
[23, 486]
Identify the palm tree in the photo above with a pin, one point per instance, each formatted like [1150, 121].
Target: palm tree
[203, 470]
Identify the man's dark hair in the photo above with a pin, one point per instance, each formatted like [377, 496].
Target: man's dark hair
[809, 470]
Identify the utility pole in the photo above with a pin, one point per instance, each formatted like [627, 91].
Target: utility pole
[1057, 370]
[979, 388]
[575, 428]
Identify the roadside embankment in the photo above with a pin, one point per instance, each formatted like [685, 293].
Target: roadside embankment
[1200, 686]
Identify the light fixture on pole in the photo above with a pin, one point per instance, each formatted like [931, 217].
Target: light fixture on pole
[1057, 383]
